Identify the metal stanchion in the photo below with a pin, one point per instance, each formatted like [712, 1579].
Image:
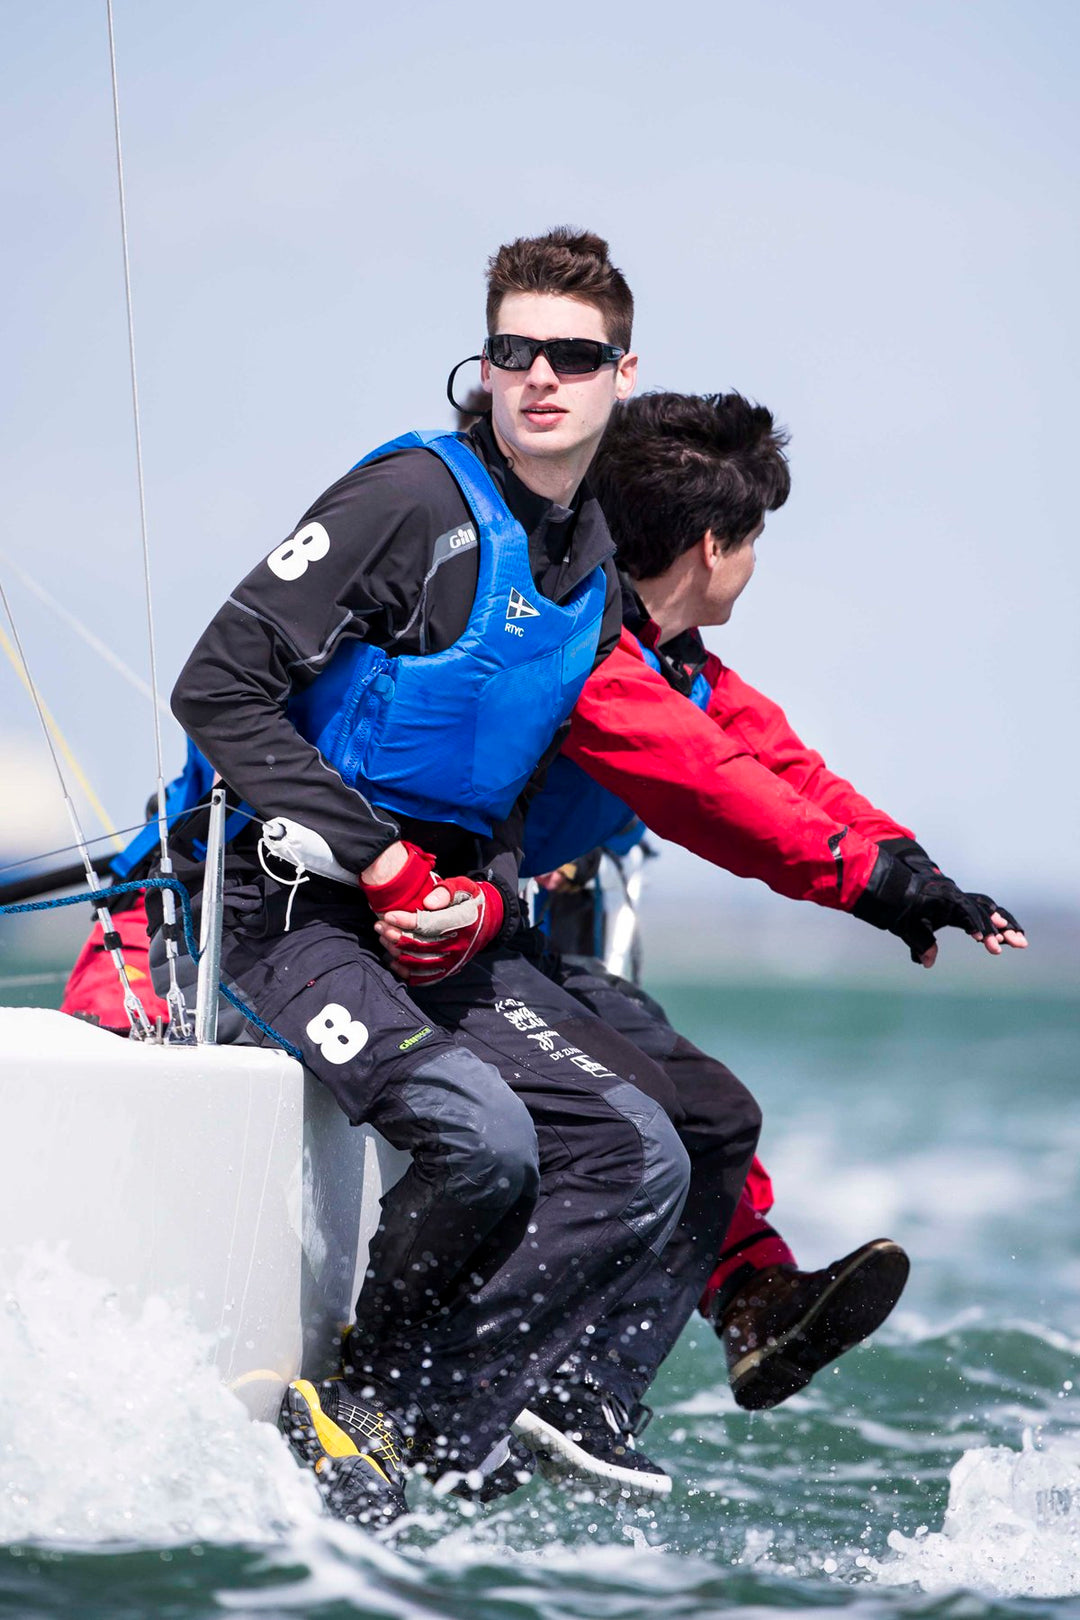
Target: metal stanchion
[206, 1007]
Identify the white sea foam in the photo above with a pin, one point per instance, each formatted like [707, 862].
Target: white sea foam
[915, 1328]
[914, 1191]
[116, 1427]
[1012, 1526]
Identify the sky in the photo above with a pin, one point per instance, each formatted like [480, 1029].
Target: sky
[862, 214]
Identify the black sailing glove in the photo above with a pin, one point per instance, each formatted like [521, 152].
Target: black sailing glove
[912, 854]
[914, 904]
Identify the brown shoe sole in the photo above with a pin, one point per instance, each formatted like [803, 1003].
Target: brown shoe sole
[867, 1285]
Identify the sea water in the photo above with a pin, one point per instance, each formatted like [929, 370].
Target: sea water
[932, 1472]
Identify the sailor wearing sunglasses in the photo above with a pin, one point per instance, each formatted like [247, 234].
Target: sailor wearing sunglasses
[545, 398]
[379, 692]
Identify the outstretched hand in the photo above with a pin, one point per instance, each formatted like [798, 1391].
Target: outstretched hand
[910, 897]
[933, 901]
[1005, 932]
[1002, 927]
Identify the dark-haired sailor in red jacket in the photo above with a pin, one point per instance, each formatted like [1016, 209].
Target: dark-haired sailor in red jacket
[665, 735]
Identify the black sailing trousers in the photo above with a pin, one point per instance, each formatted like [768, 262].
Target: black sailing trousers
[546, 1177]
[718, 1122]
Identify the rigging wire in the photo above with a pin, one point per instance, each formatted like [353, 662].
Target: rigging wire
[94, 642]
[133, 1007]
[54, 732]
[112, 835]
[179, 1021]
[25, 861]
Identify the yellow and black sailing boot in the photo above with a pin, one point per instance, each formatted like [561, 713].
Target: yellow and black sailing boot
[355, 1446]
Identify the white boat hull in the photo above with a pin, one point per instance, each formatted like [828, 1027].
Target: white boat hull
[220, 1177]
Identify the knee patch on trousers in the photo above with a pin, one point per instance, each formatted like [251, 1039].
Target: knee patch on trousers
[653, 1212]
[481, 1132]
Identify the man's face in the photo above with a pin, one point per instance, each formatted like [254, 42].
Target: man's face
[538, 413]
[726, 577]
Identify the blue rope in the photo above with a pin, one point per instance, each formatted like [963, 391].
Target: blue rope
[101, 896]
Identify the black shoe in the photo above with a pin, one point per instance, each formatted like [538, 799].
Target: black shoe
[784, 1325]
[579, 1432]
[355, 1447]
[508, 1466]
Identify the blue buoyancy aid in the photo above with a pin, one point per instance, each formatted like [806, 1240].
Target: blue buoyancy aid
[455, 735]
[573, 814]
[182, 795]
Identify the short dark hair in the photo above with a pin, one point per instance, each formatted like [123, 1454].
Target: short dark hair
[568, 261]
[672, 466]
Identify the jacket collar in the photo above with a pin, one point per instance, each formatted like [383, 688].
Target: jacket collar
[682, 657]
[528, 507]
[577, 535]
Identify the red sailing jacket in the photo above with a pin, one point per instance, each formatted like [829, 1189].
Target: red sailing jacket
[734, 783]
[93, 989]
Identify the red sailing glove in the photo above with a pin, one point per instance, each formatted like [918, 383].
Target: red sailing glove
[439, 943]
[407, 889]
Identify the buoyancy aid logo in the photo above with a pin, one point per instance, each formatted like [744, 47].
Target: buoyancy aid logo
[518, 608]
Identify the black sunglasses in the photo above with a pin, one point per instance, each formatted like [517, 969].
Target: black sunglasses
[570, 357]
